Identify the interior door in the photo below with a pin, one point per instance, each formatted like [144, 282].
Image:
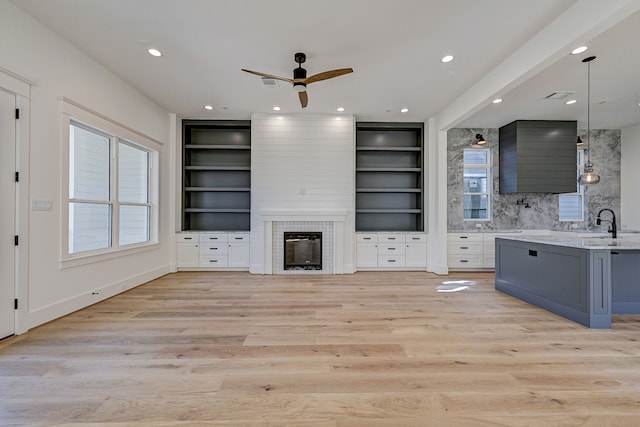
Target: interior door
[7, 212]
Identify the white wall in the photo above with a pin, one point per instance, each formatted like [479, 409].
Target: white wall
[59, 69]
[302, 162]
[629, 177]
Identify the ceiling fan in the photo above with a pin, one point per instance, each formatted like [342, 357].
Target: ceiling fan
[300, 79]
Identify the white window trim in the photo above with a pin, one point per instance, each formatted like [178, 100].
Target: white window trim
[489, 193]
[73, 112]
[580, 192]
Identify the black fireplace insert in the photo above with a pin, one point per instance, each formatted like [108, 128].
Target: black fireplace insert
[302, 250]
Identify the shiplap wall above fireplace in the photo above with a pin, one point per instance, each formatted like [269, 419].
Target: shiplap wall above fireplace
[302, 165]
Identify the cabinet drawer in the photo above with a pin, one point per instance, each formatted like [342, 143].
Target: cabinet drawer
[465, 237]
[238, 237]
[390, 249]
[213, 248]
[212, 261]
[390, 237]
[366, 237]
[391, 261]
[465, 261]
[186, 237]
[213, 237]
[466, 247]
[416, 238]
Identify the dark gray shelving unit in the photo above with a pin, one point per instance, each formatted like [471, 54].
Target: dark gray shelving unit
[216, 180]
[389, 176]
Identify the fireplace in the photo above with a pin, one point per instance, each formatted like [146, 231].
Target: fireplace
[302, 250]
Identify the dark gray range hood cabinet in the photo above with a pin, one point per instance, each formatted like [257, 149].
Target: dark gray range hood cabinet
[538, 156]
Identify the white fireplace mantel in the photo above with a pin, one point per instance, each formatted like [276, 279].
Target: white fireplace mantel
[305, 214]
[336, 216]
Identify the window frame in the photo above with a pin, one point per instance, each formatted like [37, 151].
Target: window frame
[77, 115]
[580, 159]
[488, 167]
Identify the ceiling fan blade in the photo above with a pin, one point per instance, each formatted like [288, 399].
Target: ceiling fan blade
[303, 99]
[328, 75]
[269, 76]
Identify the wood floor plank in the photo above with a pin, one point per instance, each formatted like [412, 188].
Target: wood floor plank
[370, 349]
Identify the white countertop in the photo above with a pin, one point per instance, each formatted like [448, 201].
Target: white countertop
[622, 242]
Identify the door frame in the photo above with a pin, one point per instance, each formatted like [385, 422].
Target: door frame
[21, 88]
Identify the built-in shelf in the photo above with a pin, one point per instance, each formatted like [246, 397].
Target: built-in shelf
[205, 210]
[224, 189]
[216, 175]
[382, 169]
[389, 176]
[389, 211]
[388, 190]
[217, 147]
[388, 148]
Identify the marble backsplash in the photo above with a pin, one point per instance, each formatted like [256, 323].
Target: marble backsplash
[542, 212]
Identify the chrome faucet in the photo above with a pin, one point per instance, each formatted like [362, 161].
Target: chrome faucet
[613, 229]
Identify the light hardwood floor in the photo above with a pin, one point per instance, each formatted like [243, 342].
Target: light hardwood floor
[371, 349]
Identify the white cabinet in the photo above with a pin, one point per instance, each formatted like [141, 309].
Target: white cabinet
[238, 250]
[416, 250]
[476, 251]
[465, 250]
[187, 251]
[391, 251]
[367, 250]
[213, 250]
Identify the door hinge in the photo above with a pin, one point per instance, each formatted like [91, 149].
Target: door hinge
[17, 176]
[15, 304]
[16, 240]
[17, 113]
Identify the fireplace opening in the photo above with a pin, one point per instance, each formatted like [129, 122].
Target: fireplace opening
[302, 250]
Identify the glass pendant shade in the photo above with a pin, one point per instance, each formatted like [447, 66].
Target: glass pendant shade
[588, 177]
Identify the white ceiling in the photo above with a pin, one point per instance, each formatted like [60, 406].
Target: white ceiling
[394, 48]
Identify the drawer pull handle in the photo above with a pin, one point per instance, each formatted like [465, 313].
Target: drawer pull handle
[464, 247]
[391, 260]
[187, 238]
[392, 249]
[366, 238]
[213, 249]
[464, 260]
[239, 238]
[533, 253]
[415, 238]
[213, 260]
[391, 238]
[464, 237]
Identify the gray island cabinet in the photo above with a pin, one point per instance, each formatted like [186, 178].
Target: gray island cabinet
[586, 280]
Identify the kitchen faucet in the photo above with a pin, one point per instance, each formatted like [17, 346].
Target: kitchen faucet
[613, 229]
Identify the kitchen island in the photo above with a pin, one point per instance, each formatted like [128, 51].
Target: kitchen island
[585, 279]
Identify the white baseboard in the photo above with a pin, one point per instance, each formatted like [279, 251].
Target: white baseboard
[62, 308]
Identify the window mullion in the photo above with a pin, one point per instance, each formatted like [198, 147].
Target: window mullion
[115, 205]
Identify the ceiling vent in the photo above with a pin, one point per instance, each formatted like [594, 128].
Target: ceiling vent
[270, 82]
[561, 94]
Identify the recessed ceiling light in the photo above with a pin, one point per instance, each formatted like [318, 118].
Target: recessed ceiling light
[579, 50]
[404, 110]
[571, 101]
[497, 100]
[447, 58]
[341, 109]
[154, 52]
[276, 108]
[208, 107]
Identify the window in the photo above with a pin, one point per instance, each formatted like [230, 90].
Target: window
[571, 205]
[477, 184]
[108, 191]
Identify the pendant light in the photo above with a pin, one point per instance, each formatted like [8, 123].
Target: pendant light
[588, 177]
